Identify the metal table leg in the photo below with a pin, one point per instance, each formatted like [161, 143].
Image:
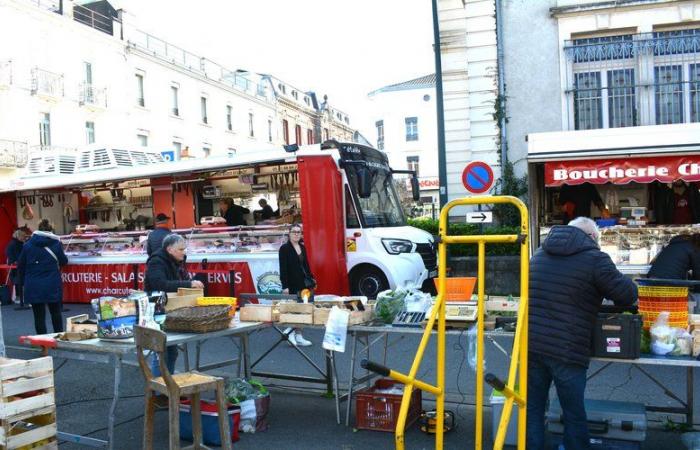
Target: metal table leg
[334, 375]
[246, 355]
[113, 407]
[351, 381]
[689, 396]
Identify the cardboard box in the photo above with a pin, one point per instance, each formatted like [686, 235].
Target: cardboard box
[81, 323]
[183, 298]
[259, 313]
[296, 308]
[307, 319]
[321, 314]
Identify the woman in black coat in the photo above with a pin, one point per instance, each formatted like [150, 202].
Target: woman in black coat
[294, 269]
[39, 271]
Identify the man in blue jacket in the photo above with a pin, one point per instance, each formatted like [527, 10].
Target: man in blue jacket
[569, 278]
[155, 237]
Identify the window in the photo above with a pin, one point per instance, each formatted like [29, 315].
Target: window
[297, 134]
[45, 129]
[309, 136]
[588, 101]
[203, 105]
[229, 117]
[88, 72]
[206, 151]
[251, 129]
[622, 103]
[177, 146]
[668, 81]
[695, 92]
[325, 134]
[411, 128]
[285, 131]
[412, 163]
[175, 109]
[380, 134]
[143, 140]
[269, 130]
[90, 132]
[140, 100]
[351, 219]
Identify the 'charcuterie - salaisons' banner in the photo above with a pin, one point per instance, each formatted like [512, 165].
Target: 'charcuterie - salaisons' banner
[665, 169]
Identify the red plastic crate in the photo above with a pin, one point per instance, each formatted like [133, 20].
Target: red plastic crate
[379, 412]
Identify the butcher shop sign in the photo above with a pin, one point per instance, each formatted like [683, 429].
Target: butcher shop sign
[665, 169]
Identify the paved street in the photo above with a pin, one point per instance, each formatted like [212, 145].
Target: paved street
[84, 390]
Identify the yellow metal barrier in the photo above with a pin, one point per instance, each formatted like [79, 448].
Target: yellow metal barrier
[518, 357]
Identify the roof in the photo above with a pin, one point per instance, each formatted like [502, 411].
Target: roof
[424, 82]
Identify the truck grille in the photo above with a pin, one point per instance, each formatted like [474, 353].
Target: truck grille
[427, 252]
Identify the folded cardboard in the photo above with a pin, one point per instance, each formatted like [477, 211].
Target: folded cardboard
[259, 313]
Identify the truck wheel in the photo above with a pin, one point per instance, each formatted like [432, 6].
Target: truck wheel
[368, 281]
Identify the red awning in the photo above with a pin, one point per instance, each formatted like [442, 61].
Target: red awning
[622, 171]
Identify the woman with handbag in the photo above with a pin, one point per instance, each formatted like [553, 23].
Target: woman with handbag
[295, 275]
[39, 271]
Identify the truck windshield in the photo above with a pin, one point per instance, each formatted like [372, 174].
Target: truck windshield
[382, 208]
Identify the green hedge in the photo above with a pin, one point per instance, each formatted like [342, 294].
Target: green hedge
[457, 229]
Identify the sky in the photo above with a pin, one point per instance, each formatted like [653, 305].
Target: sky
[341, 48]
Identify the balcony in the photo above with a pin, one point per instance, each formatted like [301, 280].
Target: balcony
[13, 154]
[47, 84]
[633, 80]
[92, 97]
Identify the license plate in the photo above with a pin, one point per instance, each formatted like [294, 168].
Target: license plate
[432, 274]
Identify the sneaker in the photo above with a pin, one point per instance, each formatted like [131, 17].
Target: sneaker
[291, 337]
[300, 341]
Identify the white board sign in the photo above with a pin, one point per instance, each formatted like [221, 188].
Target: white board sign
[480, 217]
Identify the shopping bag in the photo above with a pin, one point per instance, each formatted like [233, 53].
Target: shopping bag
[336, 330]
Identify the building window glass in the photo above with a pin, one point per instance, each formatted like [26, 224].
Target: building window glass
[88, 73]
[380, 134]
[45, 129]
[203, 106]
[206, 151]
[285, 131]
[351, 219]
[622, 107]
[668, 94]
[411, 128]
[90, 132]
[309, 136]
[229, 118]
[297, 134]
[251, 128]
[413, 164]
[142, 139]
[695, 92]
[587, 100]
[325, 134]
[177, 146]
[140, 100]
[269, 130]
[175, 108]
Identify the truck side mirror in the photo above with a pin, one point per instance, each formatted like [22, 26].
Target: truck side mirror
[364, 182]
[415, 188]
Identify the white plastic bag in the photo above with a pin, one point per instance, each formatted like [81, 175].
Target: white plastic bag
[663, 338]
[417, 301]
[471, 348]
[336, 330]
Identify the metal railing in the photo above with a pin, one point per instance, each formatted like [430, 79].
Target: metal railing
[47, 83]
[90, 95]
[93, 19]
[635, 79]
[48, 5]
[13, 154]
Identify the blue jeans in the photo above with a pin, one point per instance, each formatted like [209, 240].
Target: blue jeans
[170, 359]
[570, 383]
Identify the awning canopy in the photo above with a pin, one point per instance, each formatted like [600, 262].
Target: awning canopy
[665, 169]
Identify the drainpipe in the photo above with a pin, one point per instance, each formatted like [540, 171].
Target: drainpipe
[501, 82]
[442, 168]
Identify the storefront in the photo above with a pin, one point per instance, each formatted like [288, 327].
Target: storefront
[640, 195]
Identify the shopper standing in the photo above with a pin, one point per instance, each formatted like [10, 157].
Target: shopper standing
[39, 271]
[12, 251]
[295, 274]
[155, 237]
[569, 277]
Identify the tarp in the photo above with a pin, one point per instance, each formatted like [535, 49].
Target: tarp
[665, 169]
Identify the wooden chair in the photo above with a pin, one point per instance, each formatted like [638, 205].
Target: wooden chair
[189, 384]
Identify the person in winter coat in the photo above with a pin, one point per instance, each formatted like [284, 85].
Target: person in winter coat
[39, 271]
[155, 237]
[677, 259]
[569, 278]
[165, 273]
[12, 251]
[294, 269]
[232, 213]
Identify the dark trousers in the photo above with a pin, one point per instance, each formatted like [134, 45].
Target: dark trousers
[39, 310]
[570, 383]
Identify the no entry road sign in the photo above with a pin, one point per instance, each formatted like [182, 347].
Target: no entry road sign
[477, 177]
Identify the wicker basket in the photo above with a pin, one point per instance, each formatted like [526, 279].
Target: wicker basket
[198, 319]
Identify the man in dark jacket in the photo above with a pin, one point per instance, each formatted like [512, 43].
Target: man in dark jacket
[569, 278]
[155, 237]
[232, 213]
[12, 251]
[164, 272]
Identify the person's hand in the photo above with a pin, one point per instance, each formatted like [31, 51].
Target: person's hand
[196, 284]
[285, 291]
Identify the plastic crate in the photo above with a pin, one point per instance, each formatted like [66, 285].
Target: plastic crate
[662, 293]
[675, 319]
[209, 301]
[379, 411]
[653, 306]
[617, 336]
[457, 289]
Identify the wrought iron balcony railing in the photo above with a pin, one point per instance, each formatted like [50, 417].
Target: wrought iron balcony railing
[92, 96]
[13, 154]
[634, 79]
[47, 83]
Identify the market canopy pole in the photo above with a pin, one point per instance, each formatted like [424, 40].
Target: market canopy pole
[442, 159]
[438, 313]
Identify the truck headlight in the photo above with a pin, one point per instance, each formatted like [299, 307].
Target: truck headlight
[396, 246]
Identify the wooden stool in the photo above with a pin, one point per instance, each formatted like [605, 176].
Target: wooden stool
[189, 384]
